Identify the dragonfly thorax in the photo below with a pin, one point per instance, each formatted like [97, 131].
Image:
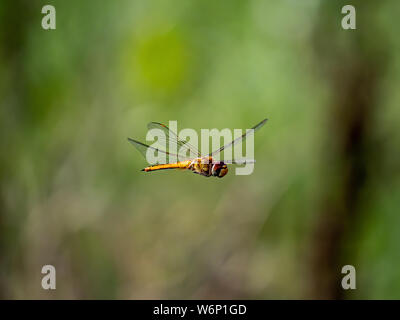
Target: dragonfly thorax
[207, 167]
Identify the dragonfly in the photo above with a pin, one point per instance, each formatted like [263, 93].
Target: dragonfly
[192, 159]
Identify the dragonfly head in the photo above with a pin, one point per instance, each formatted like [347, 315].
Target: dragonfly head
[219, 169]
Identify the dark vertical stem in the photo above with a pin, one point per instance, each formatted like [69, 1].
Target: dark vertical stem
[353, 72]
[16, 18]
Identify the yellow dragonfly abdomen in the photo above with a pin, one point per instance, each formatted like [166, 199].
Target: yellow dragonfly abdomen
[176, 165]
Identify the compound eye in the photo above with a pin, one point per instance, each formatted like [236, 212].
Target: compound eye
[223, 171]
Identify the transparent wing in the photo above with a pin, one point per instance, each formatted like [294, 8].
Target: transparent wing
[142, 148]
[240, 161]
[239, 139]
[182, 146]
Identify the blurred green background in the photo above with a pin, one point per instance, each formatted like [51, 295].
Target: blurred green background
[325, 191]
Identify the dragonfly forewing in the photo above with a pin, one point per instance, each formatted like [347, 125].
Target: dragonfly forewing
[184, 149]
[239, 139]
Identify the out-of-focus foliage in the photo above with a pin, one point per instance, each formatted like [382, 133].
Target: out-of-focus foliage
[72, 194]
